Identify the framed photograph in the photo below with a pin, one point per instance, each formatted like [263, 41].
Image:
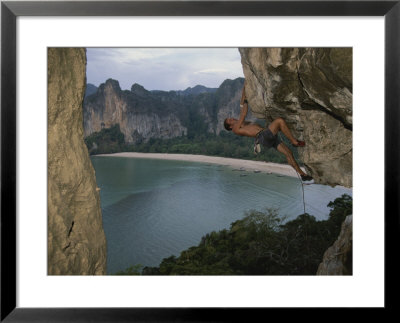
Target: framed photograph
[39, 38]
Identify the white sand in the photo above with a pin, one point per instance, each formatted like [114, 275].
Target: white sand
[231, 162]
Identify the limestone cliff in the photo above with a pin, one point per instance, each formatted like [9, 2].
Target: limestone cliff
[144, 114]
[136, 112]
[76, 240]
[311, 88]
[338, 259]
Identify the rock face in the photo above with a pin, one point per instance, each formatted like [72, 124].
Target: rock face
[338, 258]
[311, 88]
[76, 240]
[136, 112]
[144, 114]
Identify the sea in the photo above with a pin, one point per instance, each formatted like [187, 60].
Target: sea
[153, 209]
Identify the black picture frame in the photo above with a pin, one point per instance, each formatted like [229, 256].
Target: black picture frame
[10, 10]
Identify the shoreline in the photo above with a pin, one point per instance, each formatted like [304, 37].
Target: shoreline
[244, 164]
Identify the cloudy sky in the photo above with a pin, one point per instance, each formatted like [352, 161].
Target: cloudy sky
[163, 68]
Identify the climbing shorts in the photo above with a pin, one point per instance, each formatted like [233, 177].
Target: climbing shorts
[267, 139]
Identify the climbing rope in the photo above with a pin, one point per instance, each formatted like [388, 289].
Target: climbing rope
[299, 177]
[302, 188]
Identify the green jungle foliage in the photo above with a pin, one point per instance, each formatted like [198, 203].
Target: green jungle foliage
[131, 271]
[106, 141]
[226, 144]
[261, 243]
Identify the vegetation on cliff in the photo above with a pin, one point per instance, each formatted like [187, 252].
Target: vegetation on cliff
[107, 141]
[262, 243]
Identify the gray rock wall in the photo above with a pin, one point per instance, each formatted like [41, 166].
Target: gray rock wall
[311, 88]
[76, 240]
[338, 259]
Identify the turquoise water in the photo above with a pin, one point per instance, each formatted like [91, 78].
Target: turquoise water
[153, 209]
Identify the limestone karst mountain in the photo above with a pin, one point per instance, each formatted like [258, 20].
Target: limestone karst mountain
[143, 114]
[90, 89]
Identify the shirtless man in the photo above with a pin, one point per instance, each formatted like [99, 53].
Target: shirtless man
[266, 136]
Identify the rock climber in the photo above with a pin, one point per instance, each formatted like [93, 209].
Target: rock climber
[265, 136]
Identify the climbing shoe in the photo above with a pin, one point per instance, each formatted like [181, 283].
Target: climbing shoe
[257, 148]
[299, 143]
[306, 178]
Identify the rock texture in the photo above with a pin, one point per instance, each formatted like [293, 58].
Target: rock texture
[338, 259]
[311, 88]
[76, 240]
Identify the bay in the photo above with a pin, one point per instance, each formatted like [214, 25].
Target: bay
[153, 208]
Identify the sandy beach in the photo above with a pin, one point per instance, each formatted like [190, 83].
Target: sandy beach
[248, 165]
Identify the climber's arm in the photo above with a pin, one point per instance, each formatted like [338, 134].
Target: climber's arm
[243, 113]
[243, 98]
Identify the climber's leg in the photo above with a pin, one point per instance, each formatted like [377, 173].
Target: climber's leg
[290, 158]
[280, 125]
